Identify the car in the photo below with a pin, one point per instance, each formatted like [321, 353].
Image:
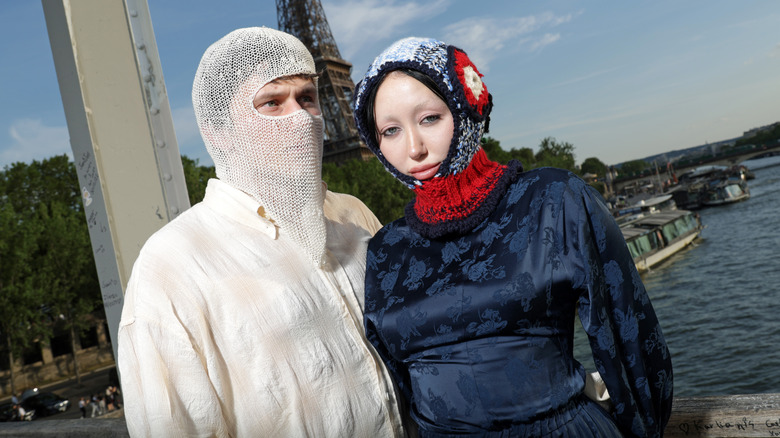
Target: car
[45, 403]
[7, 412]
[28, 393]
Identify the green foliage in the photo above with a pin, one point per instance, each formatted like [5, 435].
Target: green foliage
[372, 184]
[600, 186]
[551, 153]
[19, 298]
[196, 178]
[48, 268]
[595, 166]
[494, 151]
[770, 136]
[554, 154]
[633, 167]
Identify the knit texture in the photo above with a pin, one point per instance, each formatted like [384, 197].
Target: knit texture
[275, 159]
[458, 80]
[458, 203]
[468, 185]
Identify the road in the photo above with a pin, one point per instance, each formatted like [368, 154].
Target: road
[94, 382]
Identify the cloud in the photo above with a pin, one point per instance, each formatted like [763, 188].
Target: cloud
[32, 140]
[775, 52]
[585, 77]
[485, 37]
[543, 41]
[356, 24]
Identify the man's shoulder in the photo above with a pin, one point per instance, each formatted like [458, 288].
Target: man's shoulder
[347, 209]
[191, 232]
[342, 200]
[179, 228]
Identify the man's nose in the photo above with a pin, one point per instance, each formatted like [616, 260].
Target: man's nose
[291, 106]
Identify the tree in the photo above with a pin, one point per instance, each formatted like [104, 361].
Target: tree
[196, 177]
[496, 153]
[633, 167]
[18, 298]
[42, 201]
[554, 154]
[68, 277]
[595, 166]
[372, 184]
[600, 187]
[525, 156]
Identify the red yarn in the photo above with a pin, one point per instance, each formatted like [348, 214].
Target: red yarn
[462, 61]
[455, 197]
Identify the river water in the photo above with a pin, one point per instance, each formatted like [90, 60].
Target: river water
[719, 301]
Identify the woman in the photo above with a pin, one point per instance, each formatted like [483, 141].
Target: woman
[471, 297]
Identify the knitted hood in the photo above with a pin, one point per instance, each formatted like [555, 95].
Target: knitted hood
[459, 82]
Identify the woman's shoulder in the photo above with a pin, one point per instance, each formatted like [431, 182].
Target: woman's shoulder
[543, 182]
[394, 231]
[548, 175]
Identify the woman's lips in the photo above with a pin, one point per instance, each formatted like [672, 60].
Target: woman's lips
[424, 172]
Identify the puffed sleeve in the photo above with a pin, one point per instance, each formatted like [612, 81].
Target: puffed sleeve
[629, 350]
[372, 318]
[165, 385]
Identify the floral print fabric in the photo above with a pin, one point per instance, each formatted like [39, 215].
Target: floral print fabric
[478, 328]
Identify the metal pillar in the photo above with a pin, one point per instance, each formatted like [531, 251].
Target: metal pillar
[121, 132]
[306, 20]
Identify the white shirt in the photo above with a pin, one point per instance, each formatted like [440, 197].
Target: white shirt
[229, 330]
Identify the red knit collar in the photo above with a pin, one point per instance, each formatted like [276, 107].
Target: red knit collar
[460, 202]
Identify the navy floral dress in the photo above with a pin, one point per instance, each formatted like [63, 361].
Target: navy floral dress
[477, 328]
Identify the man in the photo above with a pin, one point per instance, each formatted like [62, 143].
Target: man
[243, 317]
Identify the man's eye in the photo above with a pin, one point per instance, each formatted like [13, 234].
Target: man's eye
[269, 104]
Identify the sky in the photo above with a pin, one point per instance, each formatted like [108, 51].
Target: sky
[618, 80]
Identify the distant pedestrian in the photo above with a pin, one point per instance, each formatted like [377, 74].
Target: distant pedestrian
[94, 404]
[14, 400]
[83, 407]
[101, 404]
[20, 413]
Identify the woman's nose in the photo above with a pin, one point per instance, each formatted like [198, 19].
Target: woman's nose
[416, 147]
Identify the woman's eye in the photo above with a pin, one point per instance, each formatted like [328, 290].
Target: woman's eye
[389, 132]
[431, 119]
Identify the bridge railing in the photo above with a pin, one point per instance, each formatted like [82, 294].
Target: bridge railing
[735, 416]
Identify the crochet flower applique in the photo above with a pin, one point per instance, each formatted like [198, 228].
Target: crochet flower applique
[471, 80]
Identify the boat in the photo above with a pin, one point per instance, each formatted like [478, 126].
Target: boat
[643, 208]
[654, 238]
[725, 191]
[711, 186]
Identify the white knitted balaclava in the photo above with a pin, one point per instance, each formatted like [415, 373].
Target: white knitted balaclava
[276, 160]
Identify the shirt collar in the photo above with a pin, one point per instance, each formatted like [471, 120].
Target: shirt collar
[227, 200]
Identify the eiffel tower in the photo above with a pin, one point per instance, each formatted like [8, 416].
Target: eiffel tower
[306, 20]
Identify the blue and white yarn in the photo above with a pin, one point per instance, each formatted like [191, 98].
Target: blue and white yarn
[436, 60]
